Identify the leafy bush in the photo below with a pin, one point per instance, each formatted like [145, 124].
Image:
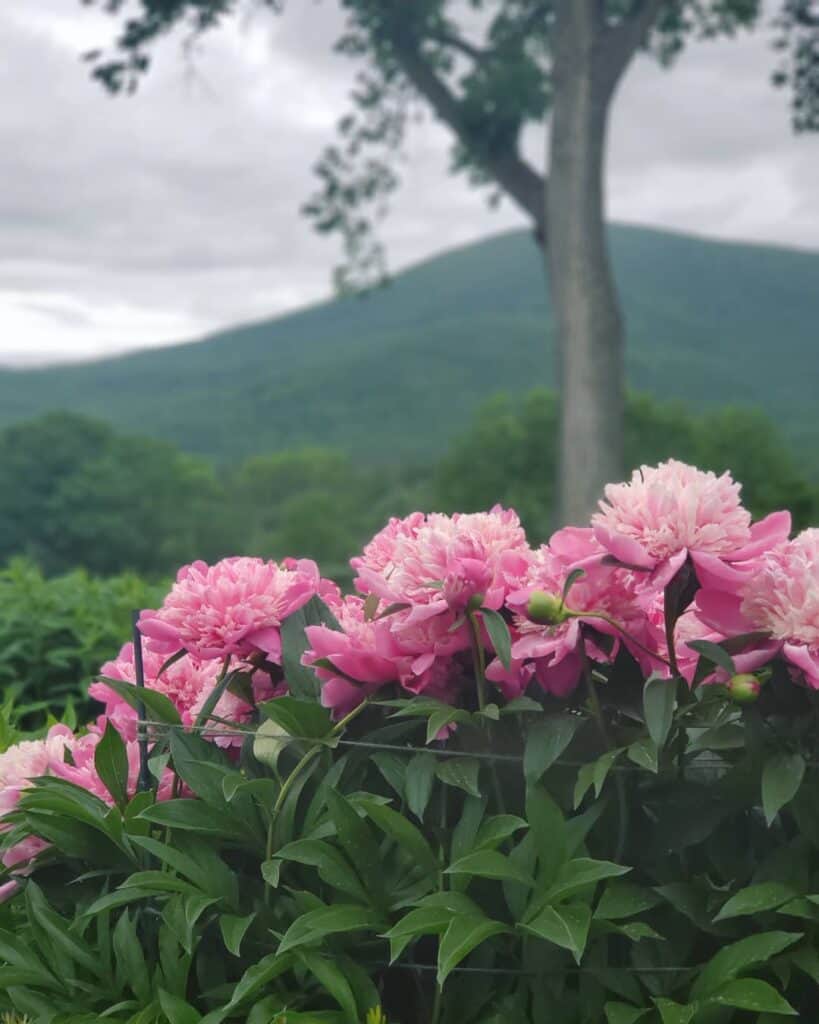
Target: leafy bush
[571, 785]
[55, 633]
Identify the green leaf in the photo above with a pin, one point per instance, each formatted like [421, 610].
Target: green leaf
[496, 828]
[332, 978]
[333, 867]
[739, 956]
[233, 930]
[755, 899]
[257, 977]
[548, 833]
[420, 921]
[566, 926]
[440, 719]
[715, 654]
[418, 783]
[461, 772]
[177, 1010]
[519, 705]
[160, 708]
[622, 1013]
[303, 719]
[644, 753]
[675, 1013]
[317, 924]
[358, 843]
[191, 816]
[730, 736]
[490, 864]
[583, 871]
[302, 681]
[594, 774]
[499, 634]
[111, 763]
[269, 741]
[781, 778]
[623, 899]
[752, 994]
[546, 741]
[463, 935]
[659, 697]
[404, 833]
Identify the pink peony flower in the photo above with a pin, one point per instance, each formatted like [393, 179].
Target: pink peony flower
[19, 766]
[668, 512]
[439, 564]
[187, 683]
[360, 670]
[235, 607]
[29, 760]
[780, 598]
[549, 652]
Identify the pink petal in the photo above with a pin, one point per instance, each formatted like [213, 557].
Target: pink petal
[624, 548]
[722, 611]
[804, 660]
[768, 531]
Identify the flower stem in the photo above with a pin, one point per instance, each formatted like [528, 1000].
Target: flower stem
[625, 633]
[478, 658]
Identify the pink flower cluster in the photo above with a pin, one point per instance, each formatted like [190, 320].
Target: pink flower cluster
[583, 597]
[432, 591]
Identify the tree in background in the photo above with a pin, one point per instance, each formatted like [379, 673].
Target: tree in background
[487, 69]
[502, 458]
[74, 493]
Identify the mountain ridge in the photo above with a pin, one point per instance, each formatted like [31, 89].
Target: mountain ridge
[399, 372]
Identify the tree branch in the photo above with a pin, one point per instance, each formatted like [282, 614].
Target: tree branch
[460, 44]
[515, 176]
[624, 39]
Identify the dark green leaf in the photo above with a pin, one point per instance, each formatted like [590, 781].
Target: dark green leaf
[658, 707]
[499, 634]
[781, 778]
[176, 1010]
[404, 833]
[566, 926]
[546, 741]
[234, 930]
[461, 772]
[418, 783]
[739, 956]
[304, 719]
[751, 994]
[755, 899]
[111, 763]
[463, 935]
[715, 654]
[490, 864]
[159, 707]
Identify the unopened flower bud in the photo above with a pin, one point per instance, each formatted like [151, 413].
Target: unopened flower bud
[743, 688]
[546, 609]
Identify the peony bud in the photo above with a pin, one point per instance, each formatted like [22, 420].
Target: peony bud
[546, 609]
[743, 688]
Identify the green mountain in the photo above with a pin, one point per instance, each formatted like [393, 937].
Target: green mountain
[399, 372]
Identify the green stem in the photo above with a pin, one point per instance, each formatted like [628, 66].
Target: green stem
[478, 658]
[306, 758]
[436, 1006]
[597, 713]
[625, 633]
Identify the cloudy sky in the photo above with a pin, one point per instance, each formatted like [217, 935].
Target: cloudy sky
[140, 221]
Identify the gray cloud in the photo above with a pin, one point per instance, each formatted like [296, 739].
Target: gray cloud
[126, 222]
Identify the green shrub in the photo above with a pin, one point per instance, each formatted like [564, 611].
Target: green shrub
[55, 633]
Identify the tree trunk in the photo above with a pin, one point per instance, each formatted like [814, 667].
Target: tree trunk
[589, 328]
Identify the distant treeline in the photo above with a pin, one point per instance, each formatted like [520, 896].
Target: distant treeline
[75, 493]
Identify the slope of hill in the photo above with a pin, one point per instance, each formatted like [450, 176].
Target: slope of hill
[399, 372]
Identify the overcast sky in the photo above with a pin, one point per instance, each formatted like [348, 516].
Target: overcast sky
[145, 220]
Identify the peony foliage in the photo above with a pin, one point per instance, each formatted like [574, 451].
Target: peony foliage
[494, 783]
